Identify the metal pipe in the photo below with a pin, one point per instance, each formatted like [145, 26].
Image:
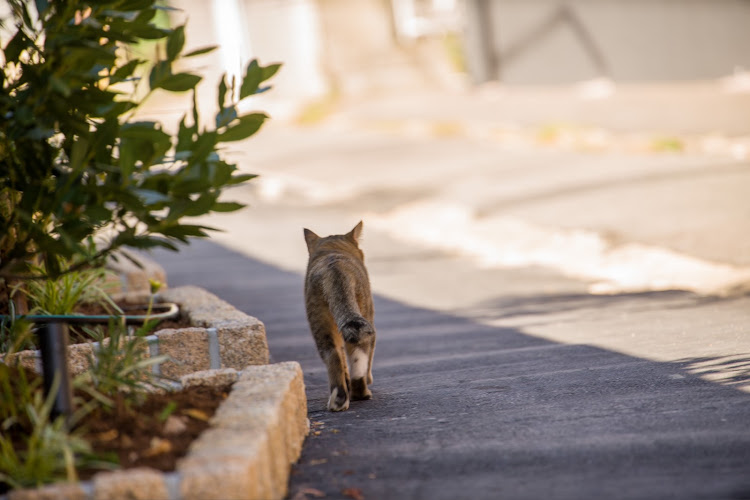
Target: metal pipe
[53, 344]
[164, 310]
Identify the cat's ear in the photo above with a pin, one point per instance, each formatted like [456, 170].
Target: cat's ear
[310, 239]
[355, 233]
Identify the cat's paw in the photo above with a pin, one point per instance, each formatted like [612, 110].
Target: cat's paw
[339, 400]
[360, 390]
[369, 379]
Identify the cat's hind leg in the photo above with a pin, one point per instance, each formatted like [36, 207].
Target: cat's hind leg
[369, 361]
[338, 380]
[331, 349]
[359, 360]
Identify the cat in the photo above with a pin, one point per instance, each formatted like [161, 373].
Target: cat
[340, 313]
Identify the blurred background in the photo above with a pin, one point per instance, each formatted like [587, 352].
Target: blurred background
[337, 49]
[572, 128]
[561, 166]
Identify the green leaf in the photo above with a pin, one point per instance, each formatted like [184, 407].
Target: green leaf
[180, 82]
[125, 71]
[52, 265]
[159, 73]
[190, 186]
[78, 153]
[269, 71]
[222, 93]
[226, 116]
[147, 242]
[239, 179]
[203, 145]
[148, 31]
[247, 126]
[196, 121]
[184, 139]
[142, 130]
[253, 77]
[221, 172]
[175, 42]
[202, 205]
[128, 156]
[226, 206]
[141, 141]
[182, 231]
[98, 213]
[198, 52]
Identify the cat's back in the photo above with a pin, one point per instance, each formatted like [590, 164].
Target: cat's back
[337, 267]
[334, 255]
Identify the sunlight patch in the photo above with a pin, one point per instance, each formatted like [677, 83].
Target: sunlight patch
[507, 242]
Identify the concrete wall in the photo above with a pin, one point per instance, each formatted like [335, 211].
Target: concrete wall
[553, 41]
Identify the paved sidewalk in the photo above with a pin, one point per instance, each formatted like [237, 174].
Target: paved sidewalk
[466, 410]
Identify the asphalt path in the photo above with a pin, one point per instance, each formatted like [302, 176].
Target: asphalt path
[462, 409]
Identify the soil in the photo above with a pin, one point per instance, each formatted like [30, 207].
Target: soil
[155, 433]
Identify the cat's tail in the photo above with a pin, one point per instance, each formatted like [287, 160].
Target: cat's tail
[355, 329]
[340, 292]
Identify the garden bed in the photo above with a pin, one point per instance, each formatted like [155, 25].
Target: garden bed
[246, 453]
[256, 433]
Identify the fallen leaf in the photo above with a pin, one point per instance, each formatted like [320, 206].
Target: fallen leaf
[174, 425]
[316, 433]
[318, 461]
[354, 493]
[196, 414]
[335, 431]
[107, 435]
[305, 493]
[157, 447]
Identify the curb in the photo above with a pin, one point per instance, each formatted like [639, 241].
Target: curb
[223, 337]
[246, 453]
[256, 434]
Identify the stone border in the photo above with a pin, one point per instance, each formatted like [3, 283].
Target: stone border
[223, 337]
[246, 453]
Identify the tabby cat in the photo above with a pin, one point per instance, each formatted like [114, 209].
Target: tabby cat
[340, 312]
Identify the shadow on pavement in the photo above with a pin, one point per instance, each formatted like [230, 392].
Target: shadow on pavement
[728, 370]
[465, 410]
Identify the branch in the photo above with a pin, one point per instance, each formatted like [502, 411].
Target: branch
[81, 265]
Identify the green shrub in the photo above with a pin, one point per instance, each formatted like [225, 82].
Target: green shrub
[75, 163]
